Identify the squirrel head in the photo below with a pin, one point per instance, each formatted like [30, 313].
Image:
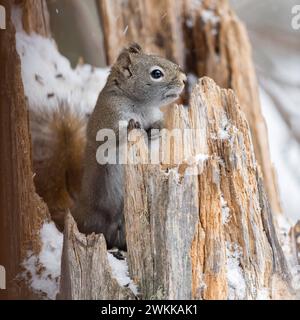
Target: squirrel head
[147, 79]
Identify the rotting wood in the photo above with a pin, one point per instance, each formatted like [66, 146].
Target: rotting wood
[209, 235]
[86, 273]
[223, 52]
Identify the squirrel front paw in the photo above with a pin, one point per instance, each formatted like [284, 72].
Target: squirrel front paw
[132, 124]
[154, 131]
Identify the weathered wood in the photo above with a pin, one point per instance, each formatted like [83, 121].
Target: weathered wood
[295, 238]
[57, 174]
[207, 39]
[22, 211]
[86, 273]
[194, 234]
[155, 24]
[222, 51]
[35, 17]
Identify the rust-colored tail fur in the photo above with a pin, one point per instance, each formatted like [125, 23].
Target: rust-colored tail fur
[58, 138]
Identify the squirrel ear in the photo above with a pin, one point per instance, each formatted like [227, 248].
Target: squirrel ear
[124, 59]
[135, 48]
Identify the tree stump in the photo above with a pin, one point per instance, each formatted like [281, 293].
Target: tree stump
[203, 229]
[199, 225]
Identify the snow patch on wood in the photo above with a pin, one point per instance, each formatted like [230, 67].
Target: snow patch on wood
[42, 272]
[235, 274]
[120, 272]
[284, 228]
[225, 210]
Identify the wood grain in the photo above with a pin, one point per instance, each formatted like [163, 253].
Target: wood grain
[22, 212]
[180, 244]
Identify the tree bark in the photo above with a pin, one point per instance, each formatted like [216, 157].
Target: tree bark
[223, 52]
[155, 24]
[22, 211]
[192, 234]
[86, 273]
[35, 17]
[207, 39]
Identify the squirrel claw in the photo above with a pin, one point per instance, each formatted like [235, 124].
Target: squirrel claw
[132, 124]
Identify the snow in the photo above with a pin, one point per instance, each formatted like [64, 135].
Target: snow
[189, 23]
[284, 226]
[195, 164]
[210, 16]
[285, 153]
[42, 272]
[225, 210]
[119, 270]
[49, 78]
[263, 294]
[197, 159]
[236, 281]
[195, 4]
[223, 134]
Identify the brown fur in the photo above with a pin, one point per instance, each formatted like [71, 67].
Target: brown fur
[58, 145]
[133, 96]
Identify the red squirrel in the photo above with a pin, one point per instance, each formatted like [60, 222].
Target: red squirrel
[138, 85]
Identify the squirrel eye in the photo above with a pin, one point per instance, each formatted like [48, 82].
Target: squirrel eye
[156, 73]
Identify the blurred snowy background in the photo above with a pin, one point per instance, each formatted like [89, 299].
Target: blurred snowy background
[276, 52]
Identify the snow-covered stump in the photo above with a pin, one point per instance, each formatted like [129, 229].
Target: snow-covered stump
[203, 229]
[87, 271]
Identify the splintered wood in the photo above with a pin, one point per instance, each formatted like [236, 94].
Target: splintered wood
[86, 272]
[205, 234]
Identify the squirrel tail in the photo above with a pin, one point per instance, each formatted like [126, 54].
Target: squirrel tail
[58, 141]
